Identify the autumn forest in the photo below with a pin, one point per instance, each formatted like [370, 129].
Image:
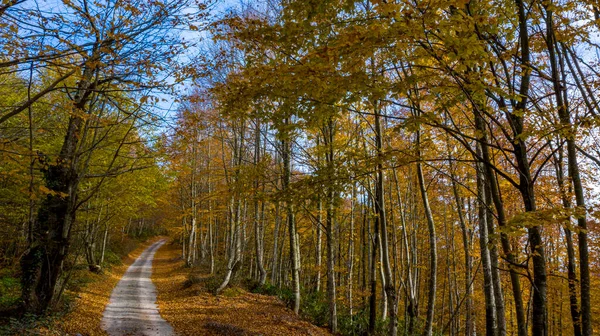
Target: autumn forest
[372, 167]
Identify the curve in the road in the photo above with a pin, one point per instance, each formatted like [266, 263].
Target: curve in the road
[132, 309]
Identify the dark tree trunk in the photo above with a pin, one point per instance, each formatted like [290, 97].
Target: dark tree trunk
[389, 288]
[488, 286]
[538, 315]
[42, 264]
[573, 168]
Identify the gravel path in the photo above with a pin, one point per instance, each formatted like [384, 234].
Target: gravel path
[132, 309]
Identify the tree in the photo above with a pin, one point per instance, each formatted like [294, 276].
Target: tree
[116, 50]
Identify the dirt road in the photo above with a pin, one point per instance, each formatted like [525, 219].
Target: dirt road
[132, 309]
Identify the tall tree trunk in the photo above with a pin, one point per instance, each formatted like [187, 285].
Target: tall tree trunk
[274, 262]
[191, 250]
[192, 238]
[390, 288]
[31, 210]
[328, 137]
[90, 245]
[319, 247]
[573, 168]
[211, 242]
[494, 195]
[536, 245]
[469, 316]
[494, 260]
[235, 251]
[364, 248]
[384, 297]
[571, 272]
[42, 264]
[281, 270]
[291, 221]
[488, 286]
[331, 283]
[351, 250]
[432, 243]
[104, 241]
[409, 286]
[259, 243]
[372, 273]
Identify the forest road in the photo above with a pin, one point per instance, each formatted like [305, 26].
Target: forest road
[132, 308]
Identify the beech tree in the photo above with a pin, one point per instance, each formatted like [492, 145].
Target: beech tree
[105, 49]
[384, 167]
[492, 87]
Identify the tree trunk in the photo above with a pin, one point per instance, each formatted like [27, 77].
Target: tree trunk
[373, 278]
[211, 241]
[331, 283]
[494, 194]
[538, 318]
[571, 273]
[104, 240]
[191, 250]
[319, 247]
[235, 251]
[364, 247]
[291, 221]
[90, 246]
[259, 243]
[42, 264]
[410, 290]
[432, 244]
[275, 241]
[328, 136]
[469, 316]
[573, 168]
[488, 286]
[389, 287]
[351, 250]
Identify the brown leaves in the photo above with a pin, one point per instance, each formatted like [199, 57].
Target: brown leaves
[194, 311]
[85, 318]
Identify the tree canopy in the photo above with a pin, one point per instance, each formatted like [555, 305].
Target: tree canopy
[384, 166]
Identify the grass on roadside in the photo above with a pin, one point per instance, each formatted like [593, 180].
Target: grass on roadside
[83, 302]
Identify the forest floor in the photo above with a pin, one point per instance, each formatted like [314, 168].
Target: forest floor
[87, 300]
[190, 308]
[193, 310]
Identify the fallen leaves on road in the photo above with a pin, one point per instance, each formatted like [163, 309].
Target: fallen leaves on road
[85, 318]
[194, 311]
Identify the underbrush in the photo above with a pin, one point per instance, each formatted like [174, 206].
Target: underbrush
[199, 275]
[209, 283]
[30, 324]
[315, 309]
[10, 289]
[80, 278]
[121, 248]
[148, 233]
[14, 321]
[113, 259]
[284, 294]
